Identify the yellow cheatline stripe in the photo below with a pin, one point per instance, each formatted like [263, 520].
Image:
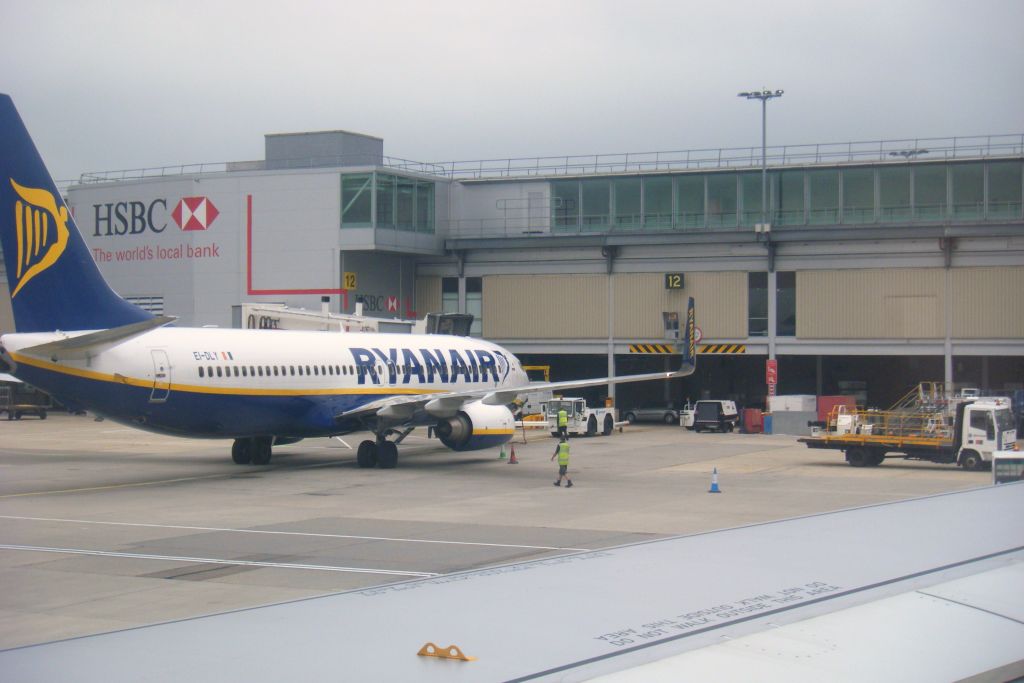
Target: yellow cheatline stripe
[491, 432]
[200, 389]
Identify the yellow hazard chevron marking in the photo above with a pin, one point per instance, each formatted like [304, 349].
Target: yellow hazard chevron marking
[722, 348]
[652, 348]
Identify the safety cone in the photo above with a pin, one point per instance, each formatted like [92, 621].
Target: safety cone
[714, 482]
[512, 457]
[502, 456]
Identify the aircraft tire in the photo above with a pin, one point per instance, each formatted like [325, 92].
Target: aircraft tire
[387, 455]
[262, 449]
[366, 455]
[241, 451]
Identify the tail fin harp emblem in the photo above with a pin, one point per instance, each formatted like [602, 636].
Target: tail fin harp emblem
[39, 244]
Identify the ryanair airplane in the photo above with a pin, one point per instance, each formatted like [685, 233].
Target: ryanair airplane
[79, 341]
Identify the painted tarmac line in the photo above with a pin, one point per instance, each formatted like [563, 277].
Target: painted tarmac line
[210, 560]
[295, 533]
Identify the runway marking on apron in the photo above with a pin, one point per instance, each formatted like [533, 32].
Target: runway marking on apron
[210, 560]
[296, 533]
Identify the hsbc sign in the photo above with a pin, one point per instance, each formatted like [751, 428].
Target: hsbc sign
[136, 218]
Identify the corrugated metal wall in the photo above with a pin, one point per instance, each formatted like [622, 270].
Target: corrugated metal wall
[545, 306]
[988, 303]
[428, 295]
[870, 304]
[575, 306]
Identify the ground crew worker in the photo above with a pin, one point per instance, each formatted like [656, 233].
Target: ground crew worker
[562, 451]
[563, 424]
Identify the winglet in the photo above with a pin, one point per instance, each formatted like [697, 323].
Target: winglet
[688, 347]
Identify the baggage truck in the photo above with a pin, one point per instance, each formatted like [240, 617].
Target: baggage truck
[966, 433]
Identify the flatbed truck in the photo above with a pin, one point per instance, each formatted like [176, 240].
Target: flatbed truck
[967, 436]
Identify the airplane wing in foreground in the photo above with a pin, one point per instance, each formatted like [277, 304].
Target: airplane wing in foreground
[870, 593]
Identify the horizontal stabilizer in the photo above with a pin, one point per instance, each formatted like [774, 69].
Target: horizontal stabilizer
[85, 345]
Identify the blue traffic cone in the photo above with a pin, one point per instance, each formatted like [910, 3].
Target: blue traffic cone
[714, 482]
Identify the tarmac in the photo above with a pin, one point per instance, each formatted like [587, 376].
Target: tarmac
[104, 527]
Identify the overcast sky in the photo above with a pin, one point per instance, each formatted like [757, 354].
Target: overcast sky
[115, 85]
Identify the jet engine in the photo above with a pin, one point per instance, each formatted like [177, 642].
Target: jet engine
[476, 426]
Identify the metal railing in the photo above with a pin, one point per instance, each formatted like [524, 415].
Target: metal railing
[900, 150]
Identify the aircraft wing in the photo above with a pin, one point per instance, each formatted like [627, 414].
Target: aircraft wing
[404, 409]
[867, 594]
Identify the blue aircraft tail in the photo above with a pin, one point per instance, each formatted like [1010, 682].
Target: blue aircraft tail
[53, 281]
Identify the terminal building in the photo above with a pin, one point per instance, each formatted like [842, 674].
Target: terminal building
[864, 269]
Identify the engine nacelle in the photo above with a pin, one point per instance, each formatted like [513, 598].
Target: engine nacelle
[476, 426]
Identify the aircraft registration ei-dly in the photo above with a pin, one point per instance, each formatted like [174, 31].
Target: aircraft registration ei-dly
[80, 342]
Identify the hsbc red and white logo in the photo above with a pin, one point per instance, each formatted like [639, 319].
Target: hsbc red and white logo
[136, 217]
[392, 303]
[194, 213]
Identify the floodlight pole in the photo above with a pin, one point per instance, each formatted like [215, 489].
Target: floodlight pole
[765, 228]
[764, 95]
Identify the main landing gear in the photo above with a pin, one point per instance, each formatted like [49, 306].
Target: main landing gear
[381, 453]
[254, 450]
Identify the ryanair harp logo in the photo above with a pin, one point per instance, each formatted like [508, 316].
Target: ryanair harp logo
[40, 243]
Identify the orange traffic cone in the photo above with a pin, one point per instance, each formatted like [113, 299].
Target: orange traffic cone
[512, 460]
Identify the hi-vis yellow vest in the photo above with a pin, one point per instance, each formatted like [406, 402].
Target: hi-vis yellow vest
[563, 418]
[563, 454]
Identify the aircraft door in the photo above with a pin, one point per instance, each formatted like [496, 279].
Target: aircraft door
[161, 376]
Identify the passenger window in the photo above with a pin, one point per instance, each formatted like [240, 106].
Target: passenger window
[307, 370]
[316, 371]
[245, 371]
[275, 371]
[259, 370]
[200, 370]
[300, 370]
[219, 371]
[236, 371]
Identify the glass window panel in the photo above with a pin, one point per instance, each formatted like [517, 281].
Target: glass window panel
[791, 198]
[424, 206]
[449, 295]
[405, 199]
[1004, 189]
[930, 192]
[785, 304]
[691, 201]
[751, 187]
[824, 206]
[894, 194]
[475, 304]
[565, 205]
[596, 204]
[722, 201]
[968, 190]
[385, 200]
[757, 304]
[627, 202]
[658, 202]
[356, 200]
[858, 195]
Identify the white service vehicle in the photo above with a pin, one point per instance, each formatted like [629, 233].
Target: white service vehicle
[583, 420]
[976, 429]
